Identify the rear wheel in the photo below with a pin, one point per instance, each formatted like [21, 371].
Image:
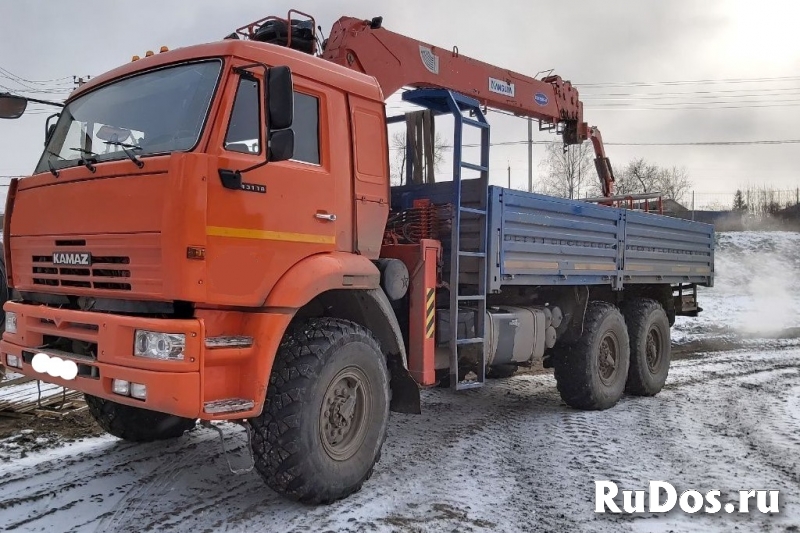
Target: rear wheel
[325, 416]
[649, 332]
[134, 423]
[591, 372]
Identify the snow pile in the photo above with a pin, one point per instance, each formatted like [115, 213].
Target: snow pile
[756, 297]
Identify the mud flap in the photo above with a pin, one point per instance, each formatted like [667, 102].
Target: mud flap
[405, 391]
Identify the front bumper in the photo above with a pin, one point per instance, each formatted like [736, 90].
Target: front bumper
[173, 387]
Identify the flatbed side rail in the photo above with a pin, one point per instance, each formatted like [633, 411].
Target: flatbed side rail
[542, 240]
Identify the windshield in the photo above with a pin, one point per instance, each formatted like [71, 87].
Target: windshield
[156, 112]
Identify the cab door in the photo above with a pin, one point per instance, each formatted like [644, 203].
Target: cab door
[283, 211]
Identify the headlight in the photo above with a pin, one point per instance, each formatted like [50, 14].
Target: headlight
[164, 346]
[11, 322]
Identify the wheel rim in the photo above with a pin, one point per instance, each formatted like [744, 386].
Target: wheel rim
[608, 358]
[344, 413]
[653, 351]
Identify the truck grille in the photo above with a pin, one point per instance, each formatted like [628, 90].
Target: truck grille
[129, 264]
[105, 273]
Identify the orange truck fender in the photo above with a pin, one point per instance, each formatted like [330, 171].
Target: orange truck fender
[320, 273]
[348, 286]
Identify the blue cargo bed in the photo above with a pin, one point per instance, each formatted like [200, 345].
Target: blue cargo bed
[542, 240]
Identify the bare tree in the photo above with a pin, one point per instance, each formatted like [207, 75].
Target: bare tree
[398, 163]
[674, 184]
[640, 176]
[569, 170]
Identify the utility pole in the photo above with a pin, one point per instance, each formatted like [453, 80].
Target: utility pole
[509, 174]
[80, 80]
[530, 155]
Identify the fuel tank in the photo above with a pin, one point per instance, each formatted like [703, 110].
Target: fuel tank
[514, 335]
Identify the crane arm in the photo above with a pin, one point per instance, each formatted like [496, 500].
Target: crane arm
[398, 61]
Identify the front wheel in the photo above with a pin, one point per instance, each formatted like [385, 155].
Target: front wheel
[591, 372]
[326, 412]
[134, 423]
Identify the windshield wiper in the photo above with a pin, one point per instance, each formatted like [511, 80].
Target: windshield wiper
[86, 162]
[125, 148]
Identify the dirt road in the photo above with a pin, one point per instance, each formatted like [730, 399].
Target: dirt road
[510, 457]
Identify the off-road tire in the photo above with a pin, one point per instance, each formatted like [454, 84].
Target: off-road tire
[290, 439]
[583, 380]
[134, 423]
[649, 333]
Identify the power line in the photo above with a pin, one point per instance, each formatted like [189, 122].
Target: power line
[664, 144]
[35, 91]
[712, 143]
[10, 75]
[687, 107]
[747, 93]
[687, 82]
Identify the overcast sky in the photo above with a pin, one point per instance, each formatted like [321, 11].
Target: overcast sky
[630, 60]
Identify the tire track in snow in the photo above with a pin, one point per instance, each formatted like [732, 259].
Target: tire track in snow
[151, 487]
[34, 490]
[507, 457]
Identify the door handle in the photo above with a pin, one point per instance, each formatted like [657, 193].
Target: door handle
[326, 216]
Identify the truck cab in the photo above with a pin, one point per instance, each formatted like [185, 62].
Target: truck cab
[166, 204]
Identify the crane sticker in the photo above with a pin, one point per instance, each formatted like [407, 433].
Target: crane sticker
[501, 87]
[541, 99]
[429, 59]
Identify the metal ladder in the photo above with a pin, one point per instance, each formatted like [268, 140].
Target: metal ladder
[442, 101]
[479, 214]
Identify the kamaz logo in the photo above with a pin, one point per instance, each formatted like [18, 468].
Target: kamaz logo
[501, 87]
[75, 259]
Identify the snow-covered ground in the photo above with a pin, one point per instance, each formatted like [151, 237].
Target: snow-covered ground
[756, 297]
[508, 457]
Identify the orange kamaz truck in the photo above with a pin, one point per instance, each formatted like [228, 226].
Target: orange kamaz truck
[210, 233]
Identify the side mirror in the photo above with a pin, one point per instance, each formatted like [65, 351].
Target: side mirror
[280, 98]
[50, 127]
[12, 106]
[49, 133]
[281, 145]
